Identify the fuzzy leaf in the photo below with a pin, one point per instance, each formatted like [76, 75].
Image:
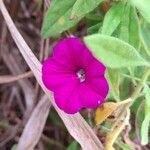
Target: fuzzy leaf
[146, 121]
[134, 39]
[112, 19]
[113, 79]
[144, 130]
[113, 52]
[147, 96]
[82, 7]
[94, 28]
[73, 146]
[129, 26]
[145, 37]
[14, 147]
[144, 8]
[124, 24]
[57, 18]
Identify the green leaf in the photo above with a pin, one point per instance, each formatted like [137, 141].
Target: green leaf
[129, 26]
[14, 147]
[82, 7]
[113, 79]
[57, 18]
[113, 52]
[128, 30]
[94, 28]
[112, 19]
[124, 88]
[144, 130]
[145, 37]
[55, 119]
[147, 96]
[124, 25]
[139, 118]
[144, 8]
[73, 146]
[146, 121]
[136, 105]
[134, 38]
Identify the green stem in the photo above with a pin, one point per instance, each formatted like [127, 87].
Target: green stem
[134, 95]
[140, 85]
[135, 78]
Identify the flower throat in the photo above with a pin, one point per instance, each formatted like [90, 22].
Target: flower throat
[81, 75]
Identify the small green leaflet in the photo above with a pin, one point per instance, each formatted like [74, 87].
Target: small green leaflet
[14, 147]
[124, 24]
[73, 146]
[112, 18]
[134, 38]
[94, 28]
[128, 30]
[57, 18]
[147, 96]
[113, 79]
[145, 37]
[129, 26]
[144, 130]
[114, 53]
[82, 7]
[122, 18]
[146, 121]
[144, 8]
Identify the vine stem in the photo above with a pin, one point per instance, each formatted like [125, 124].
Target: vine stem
[140, 85]
[133, 96]
[138, 88]
[116, 126]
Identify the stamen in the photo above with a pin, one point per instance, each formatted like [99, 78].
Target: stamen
[81, 75]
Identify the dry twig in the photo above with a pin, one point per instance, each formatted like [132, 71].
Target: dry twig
[9, 78]
[35, 125]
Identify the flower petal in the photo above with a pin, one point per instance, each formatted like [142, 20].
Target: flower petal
[54, 81]
[82, 55]
[50, 66]
[63, 53]
[99, 85]
[89, 98]
[95, 69]
[54, 75]
[63, 93]
[74, 51]
[73, 105]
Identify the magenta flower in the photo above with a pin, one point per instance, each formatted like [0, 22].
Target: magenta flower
[75, 76]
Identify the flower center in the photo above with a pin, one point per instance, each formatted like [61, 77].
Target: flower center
[81, 75]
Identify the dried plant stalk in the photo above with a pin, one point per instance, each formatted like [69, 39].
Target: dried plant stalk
[9, 78]
[75, 124]
[35, 125]
[25, 84]
[15, 69]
